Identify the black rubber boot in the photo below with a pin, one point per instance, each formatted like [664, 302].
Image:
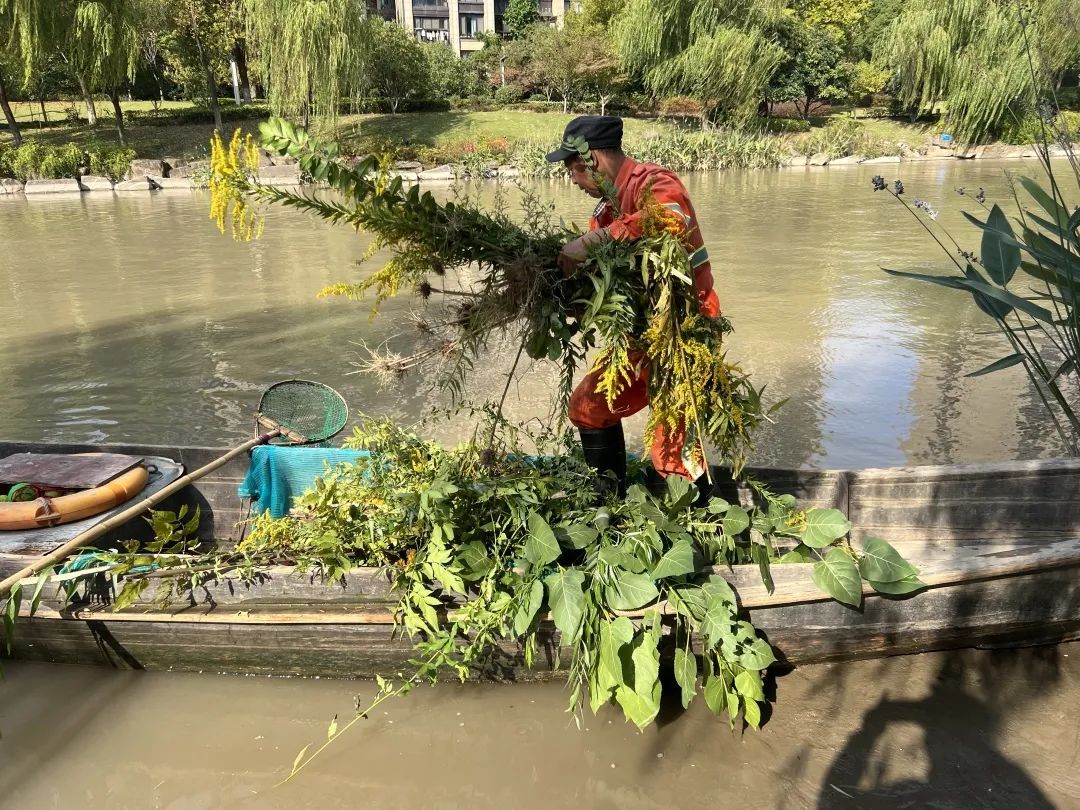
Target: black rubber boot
[605, 451]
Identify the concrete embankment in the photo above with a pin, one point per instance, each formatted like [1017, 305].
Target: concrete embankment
[176, 173]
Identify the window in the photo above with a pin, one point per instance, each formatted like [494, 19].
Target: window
[471, 25]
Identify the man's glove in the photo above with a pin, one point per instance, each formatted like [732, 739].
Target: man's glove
[575, 252]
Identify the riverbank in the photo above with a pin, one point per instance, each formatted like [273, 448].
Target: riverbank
[949, 730]
[191, 175]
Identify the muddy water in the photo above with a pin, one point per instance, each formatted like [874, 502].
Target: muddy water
[129, 318]
[949, 730]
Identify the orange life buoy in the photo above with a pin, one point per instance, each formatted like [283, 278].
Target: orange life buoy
[76, 506]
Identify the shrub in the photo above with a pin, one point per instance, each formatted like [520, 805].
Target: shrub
[711, 150]
[37, 161]
[782, 126]
[681, 107]
[111, 161]
[509, 94]
[1028, 130]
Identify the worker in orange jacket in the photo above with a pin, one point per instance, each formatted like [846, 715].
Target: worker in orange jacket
[602, 438]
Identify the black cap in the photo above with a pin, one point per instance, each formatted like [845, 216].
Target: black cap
[599, 132]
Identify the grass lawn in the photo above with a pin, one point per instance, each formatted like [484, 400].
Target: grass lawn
[148, 139]
[191, 138]
[432, 127]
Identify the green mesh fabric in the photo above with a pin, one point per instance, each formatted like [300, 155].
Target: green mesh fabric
[313, 410]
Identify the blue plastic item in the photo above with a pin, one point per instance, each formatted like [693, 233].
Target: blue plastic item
[278, 474]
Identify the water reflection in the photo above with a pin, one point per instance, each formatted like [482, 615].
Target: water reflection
[131, 319]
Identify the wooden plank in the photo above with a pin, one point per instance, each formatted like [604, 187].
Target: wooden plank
[65, 470]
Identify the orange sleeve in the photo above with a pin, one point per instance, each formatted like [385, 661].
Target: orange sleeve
[668, 191]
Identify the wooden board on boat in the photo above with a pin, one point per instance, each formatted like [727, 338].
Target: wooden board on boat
[65, 470]
[163, 471]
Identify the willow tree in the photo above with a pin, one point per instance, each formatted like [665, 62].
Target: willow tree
[716, 51]
[980, 58]
[313, 53]
[103, 41]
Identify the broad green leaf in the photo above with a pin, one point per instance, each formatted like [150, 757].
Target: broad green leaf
[838, 576]
[800, 554]
[677, 561]
[686, 674]
[577, 535]
[1000, 259]
[881, 562]
[630, 591]
[735, 521]
[474, 561]
[715, 694]
[614, 636]
[617, 557]
[689, 601]
[718, 506]
[717, 621]
[566, 599]
[758, 656]
[678, 490]
[899, 588]
[528, 609]
[716, 587]
[541, 548]
[998, 365]
[642, 702]
[824, 526]
[748, 684]
[752, 713]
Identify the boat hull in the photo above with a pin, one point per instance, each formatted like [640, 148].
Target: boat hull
[986, 589]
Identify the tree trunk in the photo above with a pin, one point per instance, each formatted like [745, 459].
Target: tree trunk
[44, 114]
[13, 126]
[114, 97]
[565, 104]
[247, 87]
[211, 84]
[91, 110]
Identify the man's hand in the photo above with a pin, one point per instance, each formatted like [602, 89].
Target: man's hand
[575, 252]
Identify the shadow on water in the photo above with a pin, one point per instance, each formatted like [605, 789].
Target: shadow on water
[944, 750]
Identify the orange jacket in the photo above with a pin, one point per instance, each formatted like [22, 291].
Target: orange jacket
[633, 180]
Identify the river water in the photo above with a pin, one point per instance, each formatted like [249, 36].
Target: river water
[131, 319]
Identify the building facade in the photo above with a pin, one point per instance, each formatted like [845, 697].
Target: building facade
[459, 23]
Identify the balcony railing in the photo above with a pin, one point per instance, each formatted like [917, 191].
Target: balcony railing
[432, 35]
[545, 8]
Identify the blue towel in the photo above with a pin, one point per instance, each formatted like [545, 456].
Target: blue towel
[278, 474]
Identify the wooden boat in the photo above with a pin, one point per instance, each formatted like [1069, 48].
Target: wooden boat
[998, 545]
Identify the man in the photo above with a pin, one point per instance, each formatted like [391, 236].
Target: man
[602, 438]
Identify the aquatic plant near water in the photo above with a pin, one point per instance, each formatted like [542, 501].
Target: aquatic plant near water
[1039, 318]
